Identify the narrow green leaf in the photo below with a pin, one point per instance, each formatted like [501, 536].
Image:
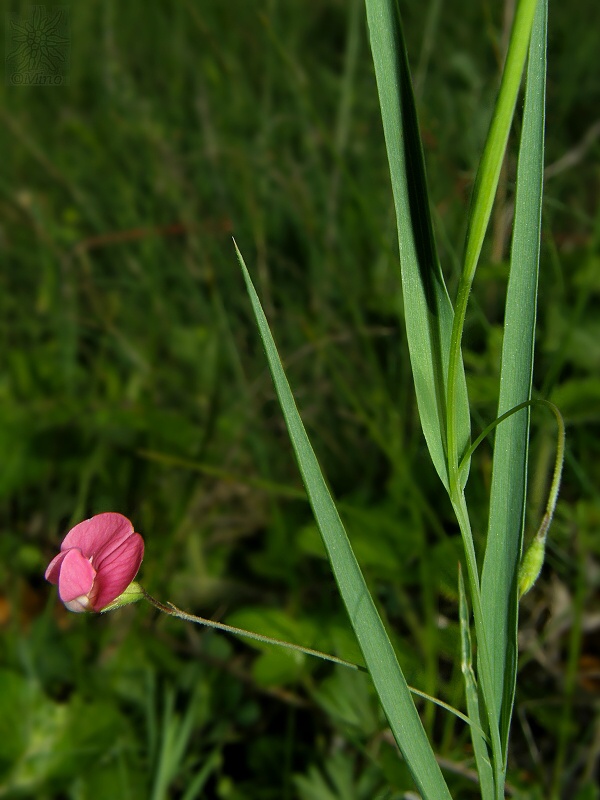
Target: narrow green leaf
[375, 645]
[509, 480]
[482, 202]
[482, 755]
[427, 308]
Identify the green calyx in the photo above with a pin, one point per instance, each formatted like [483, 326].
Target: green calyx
[132, 594]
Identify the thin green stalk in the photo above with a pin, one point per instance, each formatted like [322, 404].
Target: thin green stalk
[173, 611]
[484, 767]
[460, 509]
[527, 403]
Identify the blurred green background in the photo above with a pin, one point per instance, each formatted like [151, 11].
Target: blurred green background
[132, 379]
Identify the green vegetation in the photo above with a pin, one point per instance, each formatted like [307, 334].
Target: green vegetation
[132, 379]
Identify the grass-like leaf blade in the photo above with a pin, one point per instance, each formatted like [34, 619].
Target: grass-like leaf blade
[509, 480]
[427, 307]
[374, 642]
[482, 202]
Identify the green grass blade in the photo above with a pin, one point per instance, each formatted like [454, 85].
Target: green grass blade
[377, 650]
[509, 481]
[482, 755]
[482, 201]
[427, 307]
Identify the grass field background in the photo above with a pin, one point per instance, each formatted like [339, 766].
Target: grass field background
[132, 379]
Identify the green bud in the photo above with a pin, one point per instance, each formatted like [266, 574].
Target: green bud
[531, 565]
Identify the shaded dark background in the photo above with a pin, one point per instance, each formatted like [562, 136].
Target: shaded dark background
[132, 379]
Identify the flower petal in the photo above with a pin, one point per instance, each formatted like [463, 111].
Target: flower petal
[53, 570]
[102, 531]
[116, 571]
[76, 576]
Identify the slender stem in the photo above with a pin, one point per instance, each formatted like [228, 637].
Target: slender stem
[489, 428]
[173, 611]
[462, 515]
[556, 475]
[560, 447]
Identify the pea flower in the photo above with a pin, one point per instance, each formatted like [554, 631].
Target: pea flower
[98, 560]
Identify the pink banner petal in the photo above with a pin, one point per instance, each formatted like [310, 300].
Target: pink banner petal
[91, 536]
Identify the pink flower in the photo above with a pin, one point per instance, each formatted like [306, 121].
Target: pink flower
[98, 559]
